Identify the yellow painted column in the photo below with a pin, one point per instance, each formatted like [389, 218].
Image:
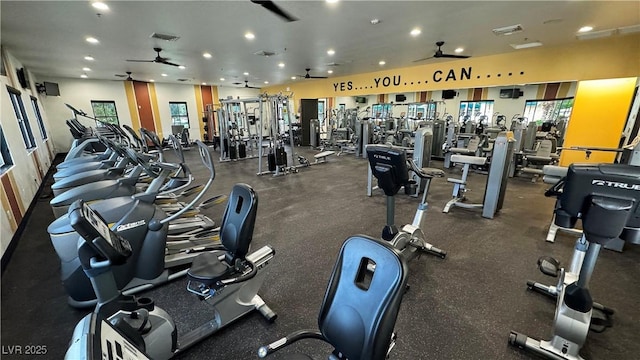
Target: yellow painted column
[133, 106]
[598, 117]
[156, 110]
[200, 108]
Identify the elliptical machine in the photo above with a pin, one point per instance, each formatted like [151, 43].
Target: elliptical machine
[155, 259]
[389, 166]
[606, 198]
[233, 280]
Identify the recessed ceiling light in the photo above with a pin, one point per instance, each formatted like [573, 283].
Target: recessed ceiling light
[221, 79]
[84, 76]
[375, 21]
[164, 75]
[281, 65]
[329, 71]
[266, 82]
[89, 58]
[595, 34]
[245, 73]
[100, 5]
[204, 83]
[459, 50]
[332, 1]
[182, 67]
[331, 52]
[293, 78]
[86, 69]
[585, 29]
[151, 80]
[249, 36]
[415, 32]
[381, 62]
[92, 40]
[526, 46]
[206, 55]
[507, 30]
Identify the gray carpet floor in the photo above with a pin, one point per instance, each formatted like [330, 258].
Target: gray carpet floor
[462, 307]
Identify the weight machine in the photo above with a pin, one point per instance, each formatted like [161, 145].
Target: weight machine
[276, 112]
[234, 127]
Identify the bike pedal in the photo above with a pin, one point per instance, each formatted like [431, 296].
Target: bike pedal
[549, 266]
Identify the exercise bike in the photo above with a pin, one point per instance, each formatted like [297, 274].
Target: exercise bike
[389, 166]
[233, 278]
[605, 198]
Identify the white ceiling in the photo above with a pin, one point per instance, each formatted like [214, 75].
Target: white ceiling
[48, 37]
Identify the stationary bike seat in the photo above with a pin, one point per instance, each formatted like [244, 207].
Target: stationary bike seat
[207, 269]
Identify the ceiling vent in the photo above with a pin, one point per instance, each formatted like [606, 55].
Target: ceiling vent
[264, 53]
[507, 30]
[164, 37]
[183, 80]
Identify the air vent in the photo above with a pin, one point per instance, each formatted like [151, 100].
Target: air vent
[507, 30]
[264, 53]
[164, 37]
[183, 80]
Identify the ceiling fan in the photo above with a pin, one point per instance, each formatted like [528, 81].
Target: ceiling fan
[159, 59]
[271, 6]
[307, 76]
[246, 85]
[439, 54]
[128, 76]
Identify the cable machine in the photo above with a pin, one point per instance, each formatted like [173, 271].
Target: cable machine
[276, 112]
[236, 120]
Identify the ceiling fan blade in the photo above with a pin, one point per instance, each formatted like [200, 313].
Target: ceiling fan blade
[423, 59]
[140, 60]
[168, 63]
[452, 56]
[317, 77]
[271, 6]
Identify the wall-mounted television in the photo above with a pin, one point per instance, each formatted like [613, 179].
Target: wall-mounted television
[361, 100]
[449, 94]
[512, 93]
[400, 98]
[51, 89]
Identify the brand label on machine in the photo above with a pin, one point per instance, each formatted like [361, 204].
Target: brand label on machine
[615, 184]
[132, 225]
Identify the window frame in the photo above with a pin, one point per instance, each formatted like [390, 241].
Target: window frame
[556, 113]
[23, 120]
[487, 107]
[6, 160]
[179, 116]
[101, 119]
[36, 111]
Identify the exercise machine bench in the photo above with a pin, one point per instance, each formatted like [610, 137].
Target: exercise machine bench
[460, 185]
[322, 156]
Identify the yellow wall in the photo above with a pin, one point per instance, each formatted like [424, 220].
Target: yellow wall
[598, 117]
[614, 57]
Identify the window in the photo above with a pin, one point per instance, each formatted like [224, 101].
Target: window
[179, 115]
[21, 115]
[5, 156]
[542, 111]
[36, 110]
[105, 112]
[476, 111]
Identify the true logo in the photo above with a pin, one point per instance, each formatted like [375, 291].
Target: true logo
[615, 184]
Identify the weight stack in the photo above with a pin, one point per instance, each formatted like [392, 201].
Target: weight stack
[232, 152]
[271, 159]
[242, 150]
[281, 157]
